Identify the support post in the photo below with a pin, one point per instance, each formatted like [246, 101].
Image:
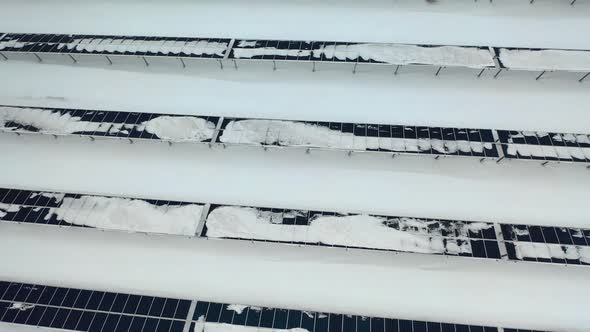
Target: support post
[145, 61]
[438, 71]
[109, 60]
[396, 69]
[73, 59]
[38, 57]
[498, 73]
[3, 56]
[481, 72]
[540, 75]
[182, 62]
[583, 77]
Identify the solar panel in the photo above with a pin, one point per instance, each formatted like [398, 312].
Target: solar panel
[298, 227]
[545, 146]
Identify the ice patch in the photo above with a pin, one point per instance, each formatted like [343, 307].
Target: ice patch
[290, 133]
[182, 128]
[132, 215]
[400, 54]
[546, 60]
[353, 230]
[549, 250]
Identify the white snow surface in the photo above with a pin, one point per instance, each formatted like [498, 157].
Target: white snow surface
[546, 60]
[412, 186]
[550, 250]
[328, 279]
[353, 231]
[202, 326]
[409, 54]
[20, 306]
[565, 152]
[290, 93]
[289, 133]
[132, 45]
[9, 327]
[180, 128]
[128, 215]
[506, 23]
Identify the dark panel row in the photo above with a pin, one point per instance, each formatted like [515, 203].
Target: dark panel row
[217, 313]
[88, 310]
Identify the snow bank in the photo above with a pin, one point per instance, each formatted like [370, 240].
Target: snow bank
[290, 133]
[550, 250]
[199, 47]
[541, 151]
[352, 231]
[183, 128]
[399, 54]
[128, 215]
[546, 60]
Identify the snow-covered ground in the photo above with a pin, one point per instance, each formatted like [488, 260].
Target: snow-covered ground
[506, 23]
[454, 99]
[413, 186]
[377, 284]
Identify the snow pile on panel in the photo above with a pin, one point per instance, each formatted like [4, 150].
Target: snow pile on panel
[545, 151]
[399, 54]
[246, 53]
[180, 128]
[352, 230]
[549, 250]
[128, 215]
[546, 60]
[291, 133]
[20, 306]
[13, 43]
[8, 208]
[202, 326]
[122, 45]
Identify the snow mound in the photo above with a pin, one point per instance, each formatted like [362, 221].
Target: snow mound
[546, 60]
[353, 230]
[291, 133]
[400, 54]
[132, 215]
[183, 128]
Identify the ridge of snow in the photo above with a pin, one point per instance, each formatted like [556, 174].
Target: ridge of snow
[292, 133]
[353, 230]
[546, 59]
[128, 215]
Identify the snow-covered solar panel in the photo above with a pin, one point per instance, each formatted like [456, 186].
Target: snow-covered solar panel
[89, 310]
[545, 146]
[567, 60]
[360, 137]
[104, 212]
[116, 45]
[96, 123]
[330, 51]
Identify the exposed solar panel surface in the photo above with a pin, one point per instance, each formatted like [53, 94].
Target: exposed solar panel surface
[91, 310]
[88, 310]
[298, 227]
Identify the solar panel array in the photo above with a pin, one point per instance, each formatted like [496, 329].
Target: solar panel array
[545, 146]
[89, 310]
[422, 235]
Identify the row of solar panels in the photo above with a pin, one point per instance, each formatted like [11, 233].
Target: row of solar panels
[355, 137]
[276, 50]
[422, 235]
[98, 311]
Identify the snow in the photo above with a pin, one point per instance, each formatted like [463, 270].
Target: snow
[178, 128]
[9, 327]
[505, 23]
[173, 128]
[409, 54]
[138, 45]
[289, 133]
[239, 308]
[546, 60]
[550, 250]
[20, 306]
[128, 215]
[362, 231]
[408, 185]
[562, 152]
[202, 326]
[290, 93]
[310, 278]
[241, 53]
[57, 197]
